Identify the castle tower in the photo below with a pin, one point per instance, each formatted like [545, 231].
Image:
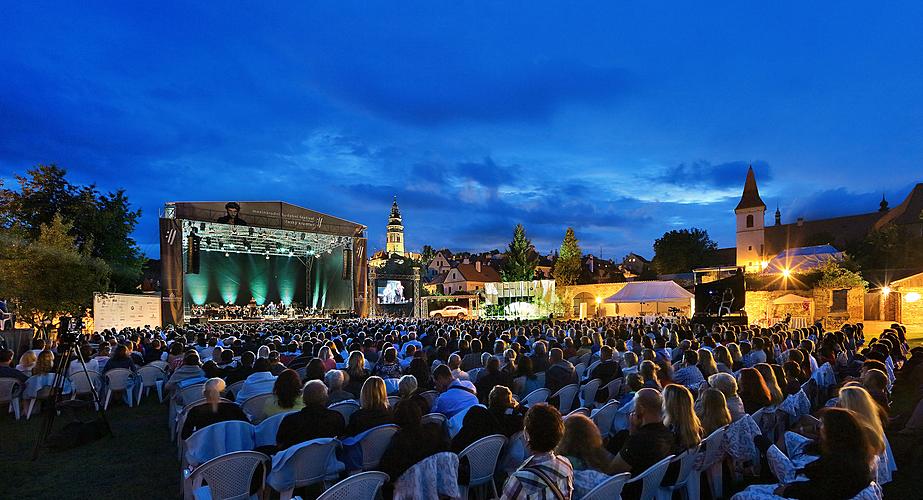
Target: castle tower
[751, 218]
[395, 232]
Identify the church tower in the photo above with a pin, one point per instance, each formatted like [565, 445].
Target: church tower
[395, 233]
[751, 214]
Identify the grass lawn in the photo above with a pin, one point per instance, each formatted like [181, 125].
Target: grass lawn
[139, 461]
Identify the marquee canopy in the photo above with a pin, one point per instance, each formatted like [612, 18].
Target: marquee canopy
[791, 298]
[650, 291]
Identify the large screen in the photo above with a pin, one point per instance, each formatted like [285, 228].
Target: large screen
[394, 292]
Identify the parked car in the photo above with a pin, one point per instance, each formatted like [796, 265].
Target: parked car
[449, 312]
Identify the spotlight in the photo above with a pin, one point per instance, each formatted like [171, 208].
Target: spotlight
[885, 290]
[786, 273]
[267, 256]
[227, 254]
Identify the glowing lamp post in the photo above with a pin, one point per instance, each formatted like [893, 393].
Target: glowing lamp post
[599, 300]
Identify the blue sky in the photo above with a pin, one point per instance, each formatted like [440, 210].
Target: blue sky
[623, 120]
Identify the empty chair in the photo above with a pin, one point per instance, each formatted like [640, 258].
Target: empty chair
[433, 418]
[82, 386]
[302, 465]
[227, 476]
[345, 408]
[151, 376]
[687, 481]
[651, 478]
[609, 489]
[713, 449]
[118, 380]
[536, 396]
[254, 407]
[231, 391]
[566, 396]
[375, 443]
[362, 486]
[588, 393]
[482, 458]
[10, 391]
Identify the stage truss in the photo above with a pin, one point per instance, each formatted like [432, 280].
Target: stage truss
[217, 237]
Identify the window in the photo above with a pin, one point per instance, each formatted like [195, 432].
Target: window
[750, 220]
[750, 247]
[838, 304]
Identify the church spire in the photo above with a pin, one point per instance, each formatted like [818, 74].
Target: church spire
[883, 206]
[751, 196]
[778, 215]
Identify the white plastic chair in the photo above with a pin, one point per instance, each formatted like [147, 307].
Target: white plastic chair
[713, 449]
[191, 393]
[566, 396]
[151, 376]
[82, 387]
[604, 416]
[215, 440]
[10, 392]
[579, 370]
[588, 393]
[433, 418]
[375, 443]
[254, 407]
[362, 486]
[310, 465]
[609, 489]
[345, 408]
[593, 365]
[537, 396]
[231, 391]
[118, 380]
[264, 434]
[393, 400]
[163, 365]
[474, 374]
[44, 392]
[615, 388]
[687, 481]
[482, 458]
[430, 397]
[228, 476]
[651, 478]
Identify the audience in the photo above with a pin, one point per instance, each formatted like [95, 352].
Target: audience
[313, 421]
[214, 410]
[373, 407]
[286, 393]
[545, 474]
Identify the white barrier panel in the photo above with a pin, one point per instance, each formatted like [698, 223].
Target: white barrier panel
[121, 310]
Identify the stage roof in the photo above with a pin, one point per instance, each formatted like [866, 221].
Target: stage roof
[650, 291]
[267, 214]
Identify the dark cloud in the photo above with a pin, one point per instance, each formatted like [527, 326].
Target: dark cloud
[705, 174]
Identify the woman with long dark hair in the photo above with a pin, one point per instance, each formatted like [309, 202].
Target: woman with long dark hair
[752, 390]
[287, 394]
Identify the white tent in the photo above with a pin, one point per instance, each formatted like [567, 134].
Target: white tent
[791, 298]
[650, 291]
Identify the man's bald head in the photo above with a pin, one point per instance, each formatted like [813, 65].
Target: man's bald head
[649, 405]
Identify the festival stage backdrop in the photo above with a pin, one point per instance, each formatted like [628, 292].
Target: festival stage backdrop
[238, 277]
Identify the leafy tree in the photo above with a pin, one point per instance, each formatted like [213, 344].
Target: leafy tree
[49, 277]
[568, 266]
[681, 251]
[521, 258]
[888, 247]
[427, 254]
[100, 223]
[832, 274]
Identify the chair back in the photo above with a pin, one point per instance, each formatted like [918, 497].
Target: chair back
[871, 492]
[191, 393]
[375, 443]
[117, 379]
[433, 477]
[609, 489]
[578, 411]
[227, 476]
[536, 396]
[514, 453]
[588, 393]
[345, 408]
[566, 396]
[712, 447]
[482, 457]
[430, 397]
[433, 418]
[686, 461]
[10, 389]
[474, 374]
[652, 477]
[362, 486]
[615, 388]
[592, 366]
[218, 439]
[163, 365]
[264, 434]
[83, 386]
[604, 417]
[150, 375]
[579, 370]
[231, 391]
[393, 400]
[311, 462]
[255, 407]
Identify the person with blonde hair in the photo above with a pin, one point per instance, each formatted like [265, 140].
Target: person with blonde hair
[373, 407]
[582, 445]
[712, 410]
[648, 371]
[707, 364]
[27, 363]
[772, 383]
[727, 384]
[213, 411]
[44, 363]
[679, 416]
[870, 414]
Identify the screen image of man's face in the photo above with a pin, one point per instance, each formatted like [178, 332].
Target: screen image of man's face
[232, 213]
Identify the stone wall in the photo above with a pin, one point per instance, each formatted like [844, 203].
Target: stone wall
[601, 290]
[911, 312]
[761, 310]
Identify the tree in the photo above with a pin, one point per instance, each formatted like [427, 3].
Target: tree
[102, 223]
[681, 251]
[568, 266]
[49, 277]
[833, 275]
[427, 255]
[890, 246]
[521, 258]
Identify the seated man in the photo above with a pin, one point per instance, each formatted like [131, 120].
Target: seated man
[606, 371]
[649, 441]
[687, 373]
[560, 373]
[259, 382]
[544, 474]
[311, 422]
[456, 396]
[6, 368]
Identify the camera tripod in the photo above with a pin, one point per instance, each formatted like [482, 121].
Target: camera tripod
[56, 396]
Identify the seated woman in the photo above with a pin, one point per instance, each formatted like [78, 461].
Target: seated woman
[27, 363]
[648, 372]
[44, 363]
[505, 410]
[712, 410]
[753, 391]
[872, 417]
[120, 359]
[727, 384]
[388, 367]
[582, 445]
[769, 376]
[413, 442]
[213, 411]
[407, 389]
[356, 373]
[373, 407]
[478, 423]
[680, 417]
[526, 379]
[286, 394]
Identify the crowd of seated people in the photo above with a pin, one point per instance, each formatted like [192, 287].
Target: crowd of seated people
[680, 383]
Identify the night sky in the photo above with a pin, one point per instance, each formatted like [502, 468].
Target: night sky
[623, 121]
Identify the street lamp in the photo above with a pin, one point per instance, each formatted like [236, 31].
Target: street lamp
[885, 290]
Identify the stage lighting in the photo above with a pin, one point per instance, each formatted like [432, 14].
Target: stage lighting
[227, 254]
[267, 256]
[885, 290]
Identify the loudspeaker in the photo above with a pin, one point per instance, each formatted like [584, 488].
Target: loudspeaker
[193, 257]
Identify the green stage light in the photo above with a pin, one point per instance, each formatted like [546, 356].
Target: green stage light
[259, 281]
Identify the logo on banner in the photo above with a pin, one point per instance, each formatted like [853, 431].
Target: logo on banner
[171, 235]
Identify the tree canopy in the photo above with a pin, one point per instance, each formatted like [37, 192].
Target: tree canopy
[521, 258]
[99, 223]
[891, 247]
[50, 276]
[568, 266]
[682, 250]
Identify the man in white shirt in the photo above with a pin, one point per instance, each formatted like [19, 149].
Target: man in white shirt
[259, 382]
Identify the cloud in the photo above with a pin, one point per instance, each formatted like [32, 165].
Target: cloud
[704, 174]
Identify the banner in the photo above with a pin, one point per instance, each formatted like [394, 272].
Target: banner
[123, 310]
[171, 274]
